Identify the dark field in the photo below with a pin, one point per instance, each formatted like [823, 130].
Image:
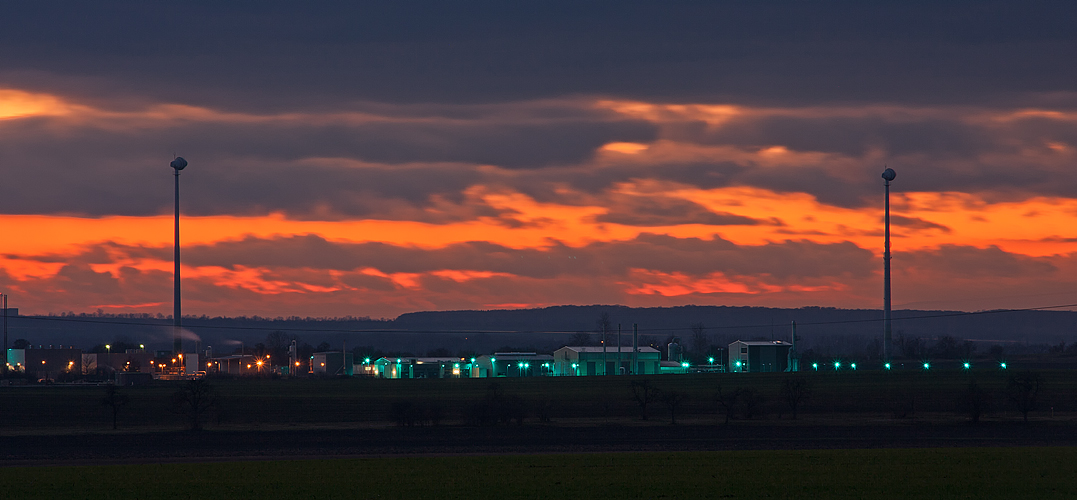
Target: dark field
[355, 417]
[894, 473]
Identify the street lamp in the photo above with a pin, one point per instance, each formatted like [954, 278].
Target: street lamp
[177, 344]
[888, 175]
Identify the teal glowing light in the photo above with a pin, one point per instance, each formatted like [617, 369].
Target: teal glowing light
[837, 365]
[887, 366]
[967, 365]
[738, 364]
[684, 365]
[927, 366]
[853, 366]
[398, 361]
[366, 361]
[710, 360]
[472, 360]
[814, 366]
[1002, 365]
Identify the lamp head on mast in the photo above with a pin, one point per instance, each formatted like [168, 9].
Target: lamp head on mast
[888, 174]
[179, 163]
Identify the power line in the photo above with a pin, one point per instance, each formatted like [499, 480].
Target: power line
[71, 319]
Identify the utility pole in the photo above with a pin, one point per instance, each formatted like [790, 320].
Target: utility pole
[4, 296]
[635, 347]
[888, 175]
[177, 343]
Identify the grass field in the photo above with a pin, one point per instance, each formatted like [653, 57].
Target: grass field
[897, 473]
[849, 396]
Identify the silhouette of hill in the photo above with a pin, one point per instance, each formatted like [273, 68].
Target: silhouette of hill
[821, 328]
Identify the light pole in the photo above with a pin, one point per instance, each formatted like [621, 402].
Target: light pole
[888, 175]
[177, 344]
[4, 296]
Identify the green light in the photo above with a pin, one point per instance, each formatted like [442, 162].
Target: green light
[927, 365]
[685, 364]
[710, 360]
[1003, 366]
[366, 361]
[837, 365]
[738, 364]
[472, 360]
[887, 366]
[398, 361]
[967, 366]
[853, 366]
[813, 365]
[527, 365]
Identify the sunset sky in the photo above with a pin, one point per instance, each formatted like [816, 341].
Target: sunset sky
[376, 158]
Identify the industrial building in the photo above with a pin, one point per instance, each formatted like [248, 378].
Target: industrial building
[759, 356]
[133, 360]
[45, 363]
[332, 363]
[513, 364]
[430, 367]
[590, 360]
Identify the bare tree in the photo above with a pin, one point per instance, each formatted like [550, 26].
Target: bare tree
[644, 394]
[795, 390]
[1024, 389]
[701, 343]
[115, 400]
[751, 402]
[673, 400]
[727, 402]
[973, 401]
[581, 339]
[193, 399]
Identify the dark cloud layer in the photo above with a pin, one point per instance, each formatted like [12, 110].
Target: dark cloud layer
[285, 53]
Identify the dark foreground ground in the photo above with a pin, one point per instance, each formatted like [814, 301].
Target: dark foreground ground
[214, 445]
[308, 418]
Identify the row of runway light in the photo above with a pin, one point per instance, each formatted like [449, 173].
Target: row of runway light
[838, 366]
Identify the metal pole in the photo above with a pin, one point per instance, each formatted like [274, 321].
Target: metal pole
[635, 347]
[888, 175]
[604, 348]
[794, 357]
[5, 332]
[618, 372]
[177, 343]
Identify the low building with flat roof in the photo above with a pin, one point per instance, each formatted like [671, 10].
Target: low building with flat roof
[594, 360]
[759, 356]
[512, 364]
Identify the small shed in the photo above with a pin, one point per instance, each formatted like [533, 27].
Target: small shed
[759, 356]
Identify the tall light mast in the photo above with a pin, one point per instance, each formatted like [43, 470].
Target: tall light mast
[888, 175]
[177, 343]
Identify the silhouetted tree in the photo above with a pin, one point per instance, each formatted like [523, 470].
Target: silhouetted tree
[673, 400]
[1023, 390]
[973, 401]
[115, 400]
[581, 339]
[795, 390]
[751, 402]
[323, 347]
[440, 352]
[644, 393]
[20, 344]
[700, 342]
[727, 402]
[193, 399]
